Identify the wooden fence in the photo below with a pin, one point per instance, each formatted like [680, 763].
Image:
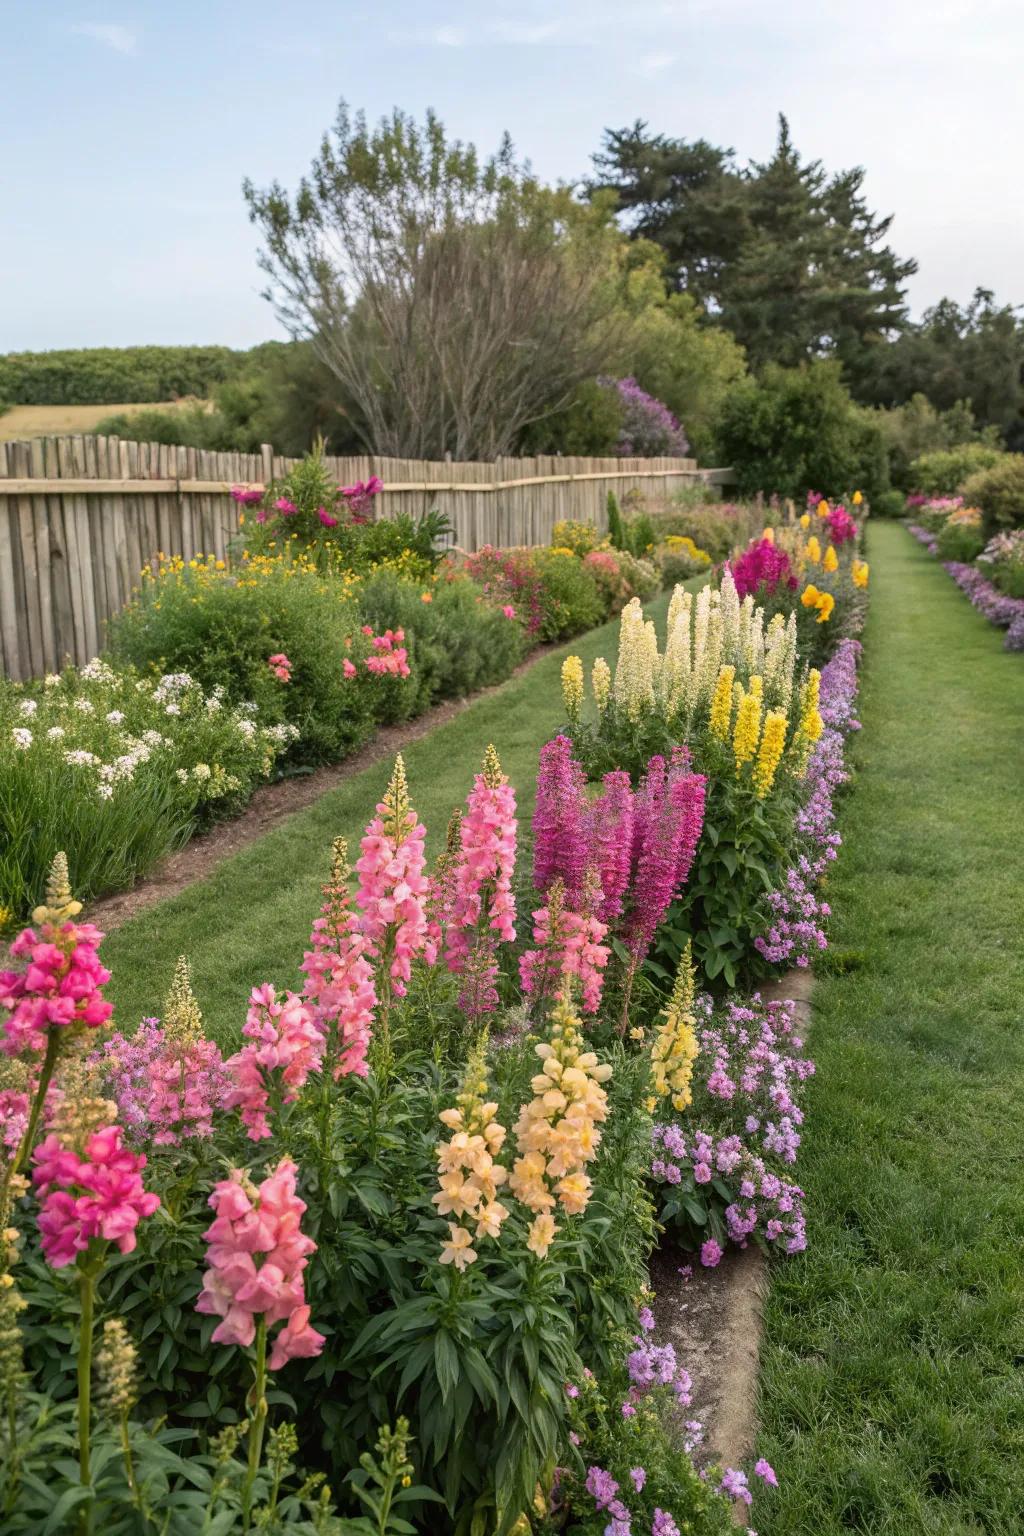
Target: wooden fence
[81, 516]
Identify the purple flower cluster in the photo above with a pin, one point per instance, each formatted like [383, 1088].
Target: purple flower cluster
[763, 1205]
[166, 1091]
[923, 536]
[797, 914]
[1005, 612]
[749, 1059]
[648, 428]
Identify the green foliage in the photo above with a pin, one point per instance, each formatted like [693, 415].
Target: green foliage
[570, 597]
[960, 541]
[889, 504]
[616, 531]
[999, 493]
[588, 426]
[943, 473]
[917, 428]
[102, 375]
[456, 642]
[797, 429]
[222, 629]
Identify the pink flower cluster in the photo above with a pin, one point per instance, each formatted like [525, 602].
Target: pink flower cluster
[390, 657]
[245, 495]
[751, 1061]
[393, 891]
[569, 944]
[14, 1112]
[762, 568]
[763, 1205]
[165, 1089]
[264, 1222]
[339, 985]
[635, 847]
[482, 885]
[61, 985]
[280, 666]
[97, 1195]
[841, 527]
[359, 497]
[284, 1047]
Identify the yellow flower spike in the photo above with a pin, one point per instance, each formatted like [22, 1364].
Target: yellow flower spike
[674, 1047]
[857, 498]
[720, 718]
[812, 550]
[769, 535]
[823, 508]
[831, 560]
[770, 753]
[805, 521]
[809, 596]
[572, 688]
[825, 605]
[60, 905]
[747, 730]
[601, 683]
[860, 572]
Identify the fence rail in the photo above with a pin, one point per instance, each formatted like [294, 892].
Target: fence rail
[81, 516]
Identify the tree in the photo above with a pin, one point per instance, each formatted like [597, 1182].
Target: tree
[787, 258]
[455, 300]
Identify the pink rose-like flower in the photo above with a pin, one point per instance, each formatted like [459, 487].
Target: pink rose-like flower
[284, 506]
[246, 496]
[60, 986]
[348, 668]
[509, 611]
[280, 666]
[326, 518]
[97, 1195]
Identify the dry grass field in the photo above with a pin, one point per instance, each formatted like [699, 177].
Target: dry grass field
[23, 421]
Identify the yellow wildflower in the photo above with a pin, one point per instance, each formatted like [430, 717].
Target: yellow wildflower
[721, 705]
[674, 1049]
[811, 723]
[805, 521]
[823, 508]
[769, 535]
[831, 560]
[812, 550]
[857, 498]
[601, 683]
[572, 688]
[747, 729]
[860, 573]
[825, 604]
[770, 753]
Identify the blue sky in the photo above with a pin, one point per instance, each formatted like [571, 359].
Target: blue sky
[126, 128]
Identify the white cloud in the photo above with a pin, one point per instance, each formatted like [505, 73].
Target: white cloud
[110, 34]
[654, 63]
[520, 32]
[450, 37]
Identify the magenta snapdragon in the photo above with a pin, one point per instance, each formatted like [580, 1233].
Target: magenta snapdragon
[97, 1194]
[283, 1047]
[339, 986]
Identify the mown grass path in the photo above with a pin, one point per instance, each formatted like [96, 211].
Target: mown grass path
[892, 1364]
[249, 921]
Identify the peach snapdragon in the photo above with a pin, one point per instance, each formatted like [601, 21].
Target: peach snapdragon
[468, 1174]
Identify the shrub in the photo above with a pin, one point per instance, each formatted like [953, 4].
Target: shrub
[117, 770]
[570, 596]
[715, 527]
[1003, 557]
[113, 375]
[647, 428]
[888, 504]
[999, 493]
[961, 537]
[222, 626]
[457, 641]
[679, 558]
[944, 473]
[796, 428]
[581, 538]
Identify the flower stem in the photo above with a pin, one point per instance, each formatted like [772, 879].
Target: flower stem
[87, 1294]
[258, 1419]
[45, 1074]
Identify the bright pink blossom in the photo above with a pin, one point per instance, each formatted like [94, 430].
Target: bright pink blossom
[97, 1195]
[284, 1047]
[326, 518]
[166, 1089]
[392, 886]
[560, 822]
[569, 945]
[263, 1221]
[610, 836]
[280, 666]
[339, 984]
[484, 866]
[59, 986]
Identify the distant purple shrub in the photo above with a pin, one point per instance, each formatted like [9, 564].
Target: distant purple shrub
[648, 429]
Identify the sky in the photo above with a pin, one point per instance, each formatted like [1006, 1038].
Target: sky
[126, 128]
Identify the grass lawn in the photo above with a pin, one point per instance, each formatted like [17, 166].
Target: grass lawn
[892, 1365]
[250, 920]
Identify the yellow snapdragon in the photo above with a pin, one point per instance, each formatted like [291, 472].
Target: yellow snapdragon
[558, 1130]
[773, 741]
[601, 683]
[860, 571]
[720, 718]
[831, 561]
[674, 1048]
[747, 730]
[468, 1175]
[572, 688]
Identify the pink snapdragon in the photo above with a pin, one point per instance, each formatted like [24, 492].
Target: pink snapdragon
[339, 985]
[484, 865]
[99, 1194]
[568, 945]
[284, 1047]
[165, 1089]
[560, 822]
[669, 816]
[285, 507]
[246, 495]
[262, 1222]
[60, 986]
[611, 842]
[327, 519]
[392, 886]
